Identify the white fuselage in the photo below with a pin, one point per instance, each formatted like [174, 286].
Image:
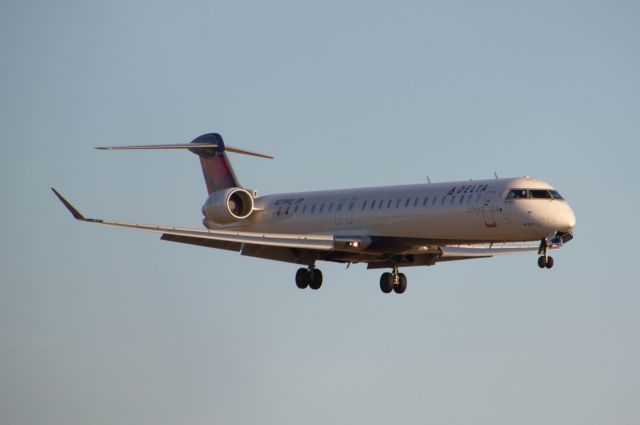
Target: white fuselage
[466, 211]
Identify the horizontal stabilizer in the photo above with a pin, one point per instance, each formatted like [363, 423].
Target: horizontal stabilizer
[151, 147]
[189, 146]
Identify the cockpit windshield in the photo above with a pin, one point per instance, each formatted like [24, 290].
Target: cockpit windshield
[533, 194]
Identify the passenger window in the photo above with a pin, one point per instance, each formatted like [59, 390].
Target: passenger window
[444, 198]
[321, 208]
[415, 204]
[304, 209]
[364, 205]
[373, 204]
[380, 203]
[435, 199]
[406, 204]
[453, 198]
[330, 207]
[313, 208]
[398, 203]
[339, 208]
[296, 208]
[478, 197]
[426, 199]
[389, 203]
[461, 199]
[351, 207]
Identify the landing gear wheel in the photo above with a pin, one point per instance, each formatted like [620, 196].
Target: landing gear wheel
[316, 278]
[545, 262]
[549, 262]
[402, 284]
[386, 282]
[542, 262]
[302, 278]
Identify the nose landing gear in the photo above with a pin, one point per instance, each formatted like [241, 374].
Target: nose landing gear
[544, 261]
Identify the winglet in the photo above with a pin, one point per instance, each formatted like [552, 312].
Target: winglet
[76, 214]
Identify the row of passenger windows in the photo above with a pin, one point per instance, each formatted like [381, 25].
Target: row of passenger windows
[533, 194]
[380, 204]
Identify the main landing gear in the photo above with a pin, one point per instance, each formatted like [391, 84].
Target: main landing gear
[544, 261]
[310, 277]
[393, 281]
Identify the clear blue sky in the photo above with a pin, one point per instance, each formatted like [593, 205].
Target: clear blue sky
[105, 326]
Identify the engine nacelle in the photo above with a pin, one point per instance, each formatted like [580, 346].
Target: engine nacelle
[228, 206]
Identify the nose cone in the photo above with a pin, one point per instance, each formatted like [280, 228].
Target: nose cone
[566, 219]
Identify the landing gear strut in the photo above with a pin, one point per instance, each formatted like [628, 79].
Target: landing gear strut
[394, 281]
[544, 261]
[310, 277]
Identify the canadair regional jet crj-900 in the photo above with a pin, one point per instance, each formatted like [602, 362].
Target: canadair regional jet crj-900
[385, 227]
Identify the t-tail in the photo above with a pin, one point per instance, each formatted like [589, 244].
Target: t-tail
[217, 170]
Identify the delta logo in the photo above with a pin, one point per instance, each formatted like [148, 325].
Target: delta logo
[476, 188]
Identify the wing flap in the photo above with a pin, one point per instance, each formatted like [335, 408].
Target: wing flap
[229, 246]
[483, 251]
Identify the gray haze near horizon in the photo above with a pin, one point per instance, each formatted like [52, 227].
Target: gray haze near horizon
[106, 326]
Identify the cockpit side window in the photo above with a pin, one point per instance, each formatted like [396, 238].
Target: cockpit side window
[518, 194]
[555, 194]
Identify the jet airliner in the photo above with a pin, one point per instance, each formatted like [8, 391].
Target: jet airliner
[385, 227]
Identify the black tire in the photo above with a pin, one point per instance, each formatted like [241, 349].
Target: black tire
[549, 262]
[402, 284]
[316, 279]
[302, 278]
[386, 282]
[542, 262]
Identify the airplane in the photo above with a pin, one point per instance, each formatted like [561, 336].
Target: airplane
[385, 227]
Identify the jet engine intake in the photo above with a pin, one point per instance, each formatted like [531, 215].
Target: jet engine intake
[228, 206]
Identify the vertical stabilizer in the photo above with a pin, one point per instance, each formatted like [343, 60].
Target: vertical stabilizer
[217, 170]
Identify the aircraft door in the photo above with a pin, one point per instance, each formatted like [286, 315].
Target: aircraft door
[344, 211]
[488, 209]
[351, 205]
[341, 209]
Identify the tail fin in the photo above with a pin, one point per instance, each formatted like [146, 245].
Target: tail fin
[217, 170]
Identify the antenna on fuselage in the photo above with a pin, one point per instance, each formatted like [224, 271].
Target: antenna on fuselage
[495, 175]
[428, 179]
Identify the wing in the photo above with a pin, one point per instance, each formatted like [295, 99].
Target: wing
[188, 235]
